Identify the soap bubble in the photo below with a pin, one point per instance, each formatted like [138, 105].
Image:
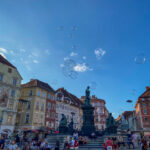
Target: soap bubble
[54, 82]
[74, 28]
[74, 47]
[133, 92]
[70, 35]
[60, 28]
[68, 68]
[140, 59]
[93, 85]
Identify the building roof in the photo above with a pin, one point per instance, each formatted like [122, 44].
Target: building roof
[6, 62]
[38, 83]
[146, 94]
[73, 98]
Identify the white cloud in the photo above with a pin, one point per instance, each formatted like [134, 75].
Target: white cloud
[72, 54]
[62, 65]
[28, 68]
[2, 54]
[3, 50]
[47, 52]
[84, 57]
[35, 54]
[35, 61]
[12, 52]
[66, 58]
[99, 53]
[82, 68]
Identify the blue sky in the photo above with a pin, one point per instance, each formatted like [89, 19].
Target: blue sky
[106, 41]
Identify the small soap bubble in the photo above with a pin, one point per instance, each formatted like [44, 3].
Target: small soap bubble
[74, 28]
[60, 28]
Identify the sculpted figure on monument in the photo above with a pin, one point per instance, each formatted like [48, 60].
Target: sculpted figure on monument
[111, 124]
[87, 96]
[63, 121]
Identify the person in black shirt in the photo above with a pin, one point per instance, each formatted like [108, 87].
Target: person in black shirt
[2, 142]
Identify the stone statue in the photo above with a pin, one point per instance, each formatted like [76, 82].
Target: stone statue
[70, 127]
[87, 96]
[63, 124]
[111, 127]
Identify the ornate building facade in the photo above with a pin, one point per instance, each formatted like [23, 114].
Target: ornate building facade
[143, 111]
[10, 81]
[70, 106]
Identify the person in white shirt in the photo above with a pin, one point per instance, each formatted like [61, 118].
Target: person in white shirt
[13, 145]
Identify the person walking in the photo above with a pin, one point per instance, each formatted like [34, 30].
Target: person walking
[109, 144]
[57, 145]
[144, 144]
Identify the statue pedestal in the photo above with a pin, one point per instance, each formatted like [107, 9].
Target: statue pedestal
[88, 120]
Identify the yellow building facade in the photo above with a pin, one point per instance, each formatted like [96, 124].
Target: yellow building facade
[32, 105]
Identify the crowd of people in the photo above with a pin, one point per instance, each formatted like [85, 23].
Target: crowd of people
[132, 141]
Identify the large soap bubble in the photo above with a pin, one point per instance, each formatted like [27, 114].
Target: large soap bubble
[93, 85]
[140, 59]
[68, 68]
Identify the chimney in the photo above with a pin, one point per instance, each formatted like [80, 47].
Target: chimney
[147, 88]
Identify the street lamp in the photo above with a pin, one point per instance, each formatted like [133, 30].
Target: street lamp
[72, 113]
[130, 101]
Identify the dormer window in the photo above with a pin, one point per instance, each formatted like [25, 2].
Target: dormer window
[9, 70]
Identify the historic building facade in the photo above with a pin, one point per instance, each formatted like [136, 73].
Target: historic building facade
[36, 100]
[100, 112]
[143, 110]
[10, 81]
[70, 106]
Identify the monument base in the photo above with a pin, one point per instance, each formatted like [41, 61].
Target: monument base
[88, 120]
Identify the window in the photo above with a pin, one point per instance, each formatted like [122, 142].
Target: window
[47, 123]
[14, 82]
[146, 119]
[9, 70]
[145, 112]
[30, 93]
[36, 117]
[28, 105]
[52, 124]
[22, 94]
[143, 104]
[42, 107]
[38, 93]
[13, 93]
[9, 119]
[49, 96]
[11, 104]
[27, 118]
[43, 94]
[53, 106]
[48, 105]
[53, 115]
[53, 97]
[37, 105]
[1, 77]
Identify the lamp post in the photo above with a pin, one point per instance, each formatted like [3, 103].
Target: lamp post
[72, 113]
[134, 125]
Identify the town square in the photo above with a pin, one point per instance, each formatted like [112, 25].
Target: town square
[74, 75]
